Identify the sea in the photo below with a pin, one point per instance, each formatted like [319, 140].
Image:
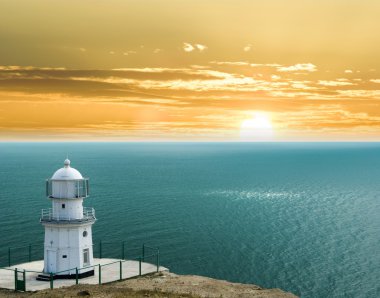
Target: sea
[302, 217]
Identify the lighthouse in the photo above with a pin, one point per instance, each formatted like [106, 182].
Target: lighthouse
[68, 225]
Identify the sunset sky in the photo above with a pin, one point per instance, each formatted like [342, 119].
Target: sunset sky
[175, 70]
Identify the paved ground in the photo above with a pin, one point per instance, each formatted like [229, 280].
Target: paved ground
[109, 273]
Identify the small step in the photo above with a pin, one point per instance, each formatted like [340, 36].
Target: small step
[43, 277]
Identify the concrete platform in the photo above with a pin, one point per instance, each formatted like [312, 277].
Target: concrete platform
[109, 273]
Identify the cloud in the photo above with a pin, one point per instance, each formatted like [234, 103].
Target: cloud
[330, 118]
[298, 67]
[200, 47]
[361, 93]
[181, 83]
[265, 65]
[196, 66]
[348, 71]
[202, 94]
[245, 63]
[111, 52]
[334, 83]
[127, 53]
[156, 51]
[28, 68]
[247, 48]
[236, 63]
[188, 47]
[82, 49]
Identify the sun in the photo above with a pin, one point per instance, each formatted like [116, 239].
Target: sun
[257, 128]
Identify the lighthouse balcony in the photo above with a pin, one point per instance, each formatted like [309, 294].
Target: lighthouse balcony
[48, 216]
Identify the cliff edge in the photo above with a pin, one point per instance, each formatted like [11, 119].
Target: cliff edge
[163, 284]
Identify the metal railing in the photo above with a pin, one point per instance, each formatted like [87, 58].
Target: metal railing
[21, 254]
[101, 249]
[47, 215]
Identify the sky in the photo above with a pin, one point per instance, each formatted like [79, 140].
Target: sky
[176, 70]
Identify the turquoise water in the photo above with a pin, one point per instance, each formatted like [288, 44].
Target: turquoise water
[304, 217]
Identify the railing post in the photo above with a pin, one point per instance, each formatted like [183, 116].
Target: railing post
[15, 279]
[51, 281]
[76, 275]
[9, 257]
[30, 252]
[121, 270]
[23, 277]
[140, 266]
[143, 253]
[122, 250]
[158, 260]
[100, 274]
[100, 249]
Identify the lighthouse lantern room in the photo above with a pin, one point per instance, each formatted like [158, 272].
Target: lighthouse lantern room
[68, 225]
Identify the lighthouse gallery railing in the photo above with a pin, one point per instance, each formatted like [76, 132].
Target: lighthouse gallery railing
[47, 215]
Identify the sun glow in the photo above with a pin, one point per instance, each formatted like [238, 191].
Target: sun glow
[258, 128]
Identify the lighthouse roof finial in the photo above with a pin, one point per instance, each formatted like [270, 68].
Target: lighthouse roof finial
[66, 163]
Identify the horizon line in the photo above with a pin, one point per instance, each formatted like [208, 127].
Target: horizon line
[188, 141]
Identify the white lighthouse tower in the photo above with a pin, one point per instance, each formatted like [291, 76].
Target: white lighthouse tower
[68, 236]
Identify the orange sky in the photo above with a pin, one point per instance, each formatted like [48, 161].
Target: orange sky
[189, 70]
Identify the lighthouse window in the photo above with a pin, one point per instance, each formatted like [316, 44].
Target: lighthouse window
[86, 256]
[64, 256]
[63, 206]
[85, 234]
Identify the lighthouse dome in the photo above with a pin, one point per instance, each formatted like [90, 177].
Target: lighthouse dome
[67, 173]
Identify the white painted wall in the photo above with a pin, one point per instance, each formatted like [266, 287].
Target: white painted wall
[67, 240]
[73, 208]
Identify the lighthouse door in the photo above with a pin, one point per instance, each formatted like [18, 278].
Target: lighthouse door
[51, 261]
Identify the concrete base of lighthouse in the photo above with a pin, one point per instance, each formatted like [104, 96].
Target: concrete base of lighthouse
[109, 274]
[46, 277]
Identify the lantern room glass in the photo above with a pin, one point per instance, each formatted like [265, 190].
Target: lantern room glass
[82, 188]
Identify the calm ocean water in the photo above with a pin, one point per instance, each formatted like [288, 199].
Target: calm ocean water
[303, 217]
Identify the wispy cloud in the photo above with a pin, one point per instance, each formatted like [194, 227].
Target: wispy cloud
[131, 81]
[28, 68]
[265, 65]
[200, 47]
[334, 83]
[127, 53]
[247, 48]
[298, 67]
[237, 63]
[188, 47]
[184, 100]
